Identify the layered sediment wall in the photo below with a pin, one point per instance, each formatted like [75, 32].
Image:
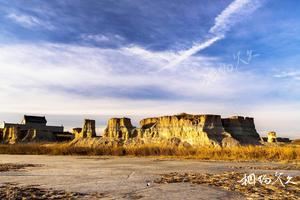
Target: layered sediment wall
[15, 134]
[242, 129]
[187, 129]
[88, 130]
[193, 129]
[119, 128]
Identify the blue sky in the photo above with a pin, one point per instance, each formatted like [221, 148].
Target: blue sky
[138, 57]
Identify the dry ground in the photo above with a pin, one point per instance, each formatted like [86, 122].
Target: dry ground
[98, 177]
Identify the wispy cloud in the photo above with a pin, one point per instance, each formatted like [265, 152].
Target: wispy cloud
[29, 21]
[235, 12]
[187, 53]
[294, 74]
[102, 38]
[128, 73]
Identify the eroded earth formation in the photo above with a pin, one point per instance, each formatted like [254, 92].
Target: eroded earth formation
[182, 129]
[186, 128]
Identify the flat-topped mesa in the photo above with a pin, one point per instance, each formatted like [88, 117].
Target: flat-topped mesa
[119, 128]
[194, 129]
[202, 130]
[242, 129]
[88, 130]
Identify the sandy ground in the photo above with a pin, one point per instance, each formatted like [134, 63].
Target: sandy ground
[125, 177]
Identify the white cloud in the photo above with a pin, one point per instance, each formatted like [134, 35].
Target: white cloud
[29, 21]
[35, 68]
[32, 74]
[187, 53]
[103, 39]
[97, 37]
[294, 74]
[235, 12]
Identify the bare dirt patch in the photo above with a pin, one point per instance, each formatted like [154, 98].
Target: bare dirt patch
[128, 178]
[95, 158]
[13, 167]
[17, 192]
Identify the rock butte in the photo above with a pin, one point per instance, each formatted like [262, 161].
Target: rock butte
[186, 128]
[273, 139]
[88, 130]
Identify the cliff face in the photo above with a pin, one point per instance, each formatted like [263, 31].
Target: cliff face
[119, 128]
[194, 129]
[13, 134]
[242, 129]
[88, 130]
[204, 130]
[38, 136]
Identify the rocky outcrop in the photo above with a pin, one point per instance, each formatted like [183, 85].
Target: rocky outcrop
[32, 129]
[96, 142]
[148, 122]
[13, 134]
[272, 137]
[88, 130]
[241, 129]
[187, 129]
[77, 132]
[179, 130]
[34, 135]
[119, 128]
[193, 129]
[203, 130]
[229, 141]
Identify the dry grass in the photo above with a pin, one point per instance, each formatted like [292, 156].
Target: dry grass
[296, 142]
[263, 153]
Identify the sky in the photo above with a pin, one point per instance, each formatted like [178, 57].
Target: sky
[138, 58]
